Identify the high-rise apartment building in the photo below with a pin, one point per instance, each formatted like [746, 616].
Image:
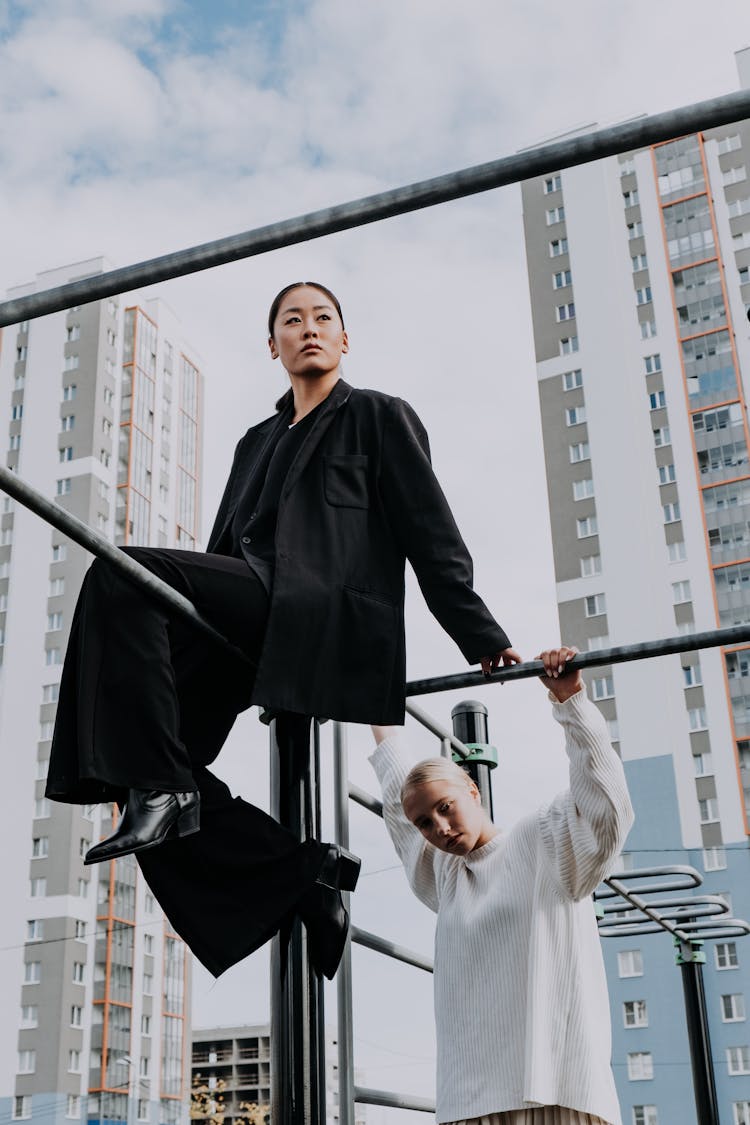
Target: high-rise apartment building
[639, 270]
[102, 411]
[231, 1069]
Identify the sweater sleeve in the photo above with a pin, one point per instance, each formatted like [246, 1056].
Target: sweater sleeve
[391, 762]
[583, 830]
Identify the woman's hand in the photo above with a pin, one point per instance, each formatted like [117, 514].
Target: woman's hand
[507, 656]
[381, 733]
[560, 680]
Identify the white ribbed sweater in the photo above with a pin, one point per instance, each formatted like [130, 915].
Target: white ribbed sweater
[521, 999]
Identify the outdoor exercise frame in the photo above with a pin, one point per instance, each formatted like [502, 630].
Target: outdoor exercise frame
[297, 997]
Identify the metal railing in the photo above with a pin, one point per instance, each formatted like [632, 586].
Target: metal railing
[537, 161]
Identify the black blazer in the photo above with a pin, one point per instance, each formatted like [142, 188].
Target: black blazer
[359, 499]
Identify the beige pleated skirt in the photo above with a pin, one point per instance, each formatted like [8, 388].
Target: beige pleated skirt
[541, 1115]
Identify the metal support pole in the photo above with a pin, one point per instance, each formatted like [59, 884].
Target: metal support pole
[297, 1035]
[344, 974]
[690, 958]
[470, 726]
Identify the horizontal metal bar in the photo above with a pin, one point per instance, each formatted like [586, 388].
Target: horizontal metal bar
[435, 728]
[733, 927]
[92, 541]
[620, 654]
[391, 949]
[464, 182]
[365, 1096]
[365, 800]
[688, 878]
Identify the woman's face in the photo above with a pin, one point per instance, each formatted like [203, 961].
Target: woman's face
[449, 815]
[308, 336]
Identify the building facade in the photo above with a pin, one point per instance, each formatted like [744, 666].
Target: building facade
[102, 412]
[231, 1072]
[639, 272]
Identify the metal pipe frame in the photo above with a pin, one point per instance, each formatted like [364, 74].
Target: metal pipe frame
[391, 949]
[366, 1096]
[537, 161]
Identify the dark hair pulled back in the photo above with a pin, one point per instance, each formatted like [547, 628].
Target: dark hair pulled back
[273, 312]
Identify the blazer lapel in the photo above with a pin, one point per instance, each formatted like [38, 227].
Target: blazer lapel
[338, 396]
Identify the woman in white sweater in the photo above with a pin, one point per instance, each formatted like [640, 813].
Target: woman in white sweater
[523, 1031]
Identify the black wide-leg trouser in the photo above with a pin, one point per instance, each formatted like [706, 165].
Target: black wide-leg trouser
[146, 702]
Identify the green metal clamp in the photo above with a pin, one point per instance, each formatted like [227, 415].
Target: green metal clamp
[480, 752]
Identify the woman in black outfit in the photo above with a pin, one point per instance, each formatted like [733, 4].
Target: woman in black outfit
[304, 573]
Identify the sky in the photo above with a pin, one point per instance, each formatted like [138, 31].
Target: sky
[135, 128]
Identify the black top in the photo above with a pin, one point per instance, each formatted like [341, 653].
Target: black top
[254, 525]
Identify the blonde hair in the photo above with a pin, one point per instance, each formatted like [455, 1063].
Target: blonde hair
[434, 769]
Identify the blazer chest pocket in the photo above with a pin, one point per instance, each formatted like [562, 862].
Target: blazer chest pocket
[345, 480]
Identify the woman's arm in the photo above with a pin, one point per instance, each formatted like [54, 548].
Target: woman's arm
[584, 829]
[423, 524]
[391, 762]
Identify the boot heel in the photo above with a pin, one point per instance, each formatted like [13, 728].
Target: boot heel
[348, 870]
[188, 821]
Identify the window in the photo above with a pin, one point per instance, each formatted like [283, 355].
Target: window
[583, 489]
[681, 592]
[32, 972]
[729, 143]
[565, 312]
[145, 1025]
[148, 943]
[78, 972]
[68, 422]
[83, 888]
[66, 453]
[42, 769]
[561, 279]
[601, 640]
[143, 1068]
[46, 730]
[656, 400]
[738, 207]
[586, 527]
[640, 1066]
[692, 675]
[72, 362]
[105, 457]
[595, 605]
[69, 392]
[80, 932]
[734, 175]
[59, 552]
[725, 955]
[148, 984]
[109, 396]
[697, 719]
[555, 215]
[645, 1115]
[52, 656]
[21, 1107]
[643, 296]
[591, 564]
[74, 1061]
[613, 730]
[602, 687]
[143, 1110]
[703, 764]
[579, 452]
[29, 1015]
[40, 847]
[54, 622]
[557, 247]
[572, 379]
[708, 810]
[74, 1106]
[106, 426]
[714, 859]
[634, 1013]
[14, 441]
[639, 262]
[635, 230]
[652, 363]
[76, 1016]
[568, 345]
[16, 412]
[553, 183]
[630, 198]
[685, 628]
[63, 487]
[648, 329]
[83, 846]
[56, 588]
[662, 436]
[671, 512]
[575, 415]
[38, 887]
[35, 929]
[667, 474]
[26, 1062]
[733, 1007]
[149, 903]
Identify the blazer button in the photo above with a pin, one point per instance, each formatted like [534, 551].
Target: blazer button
[245, 538]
